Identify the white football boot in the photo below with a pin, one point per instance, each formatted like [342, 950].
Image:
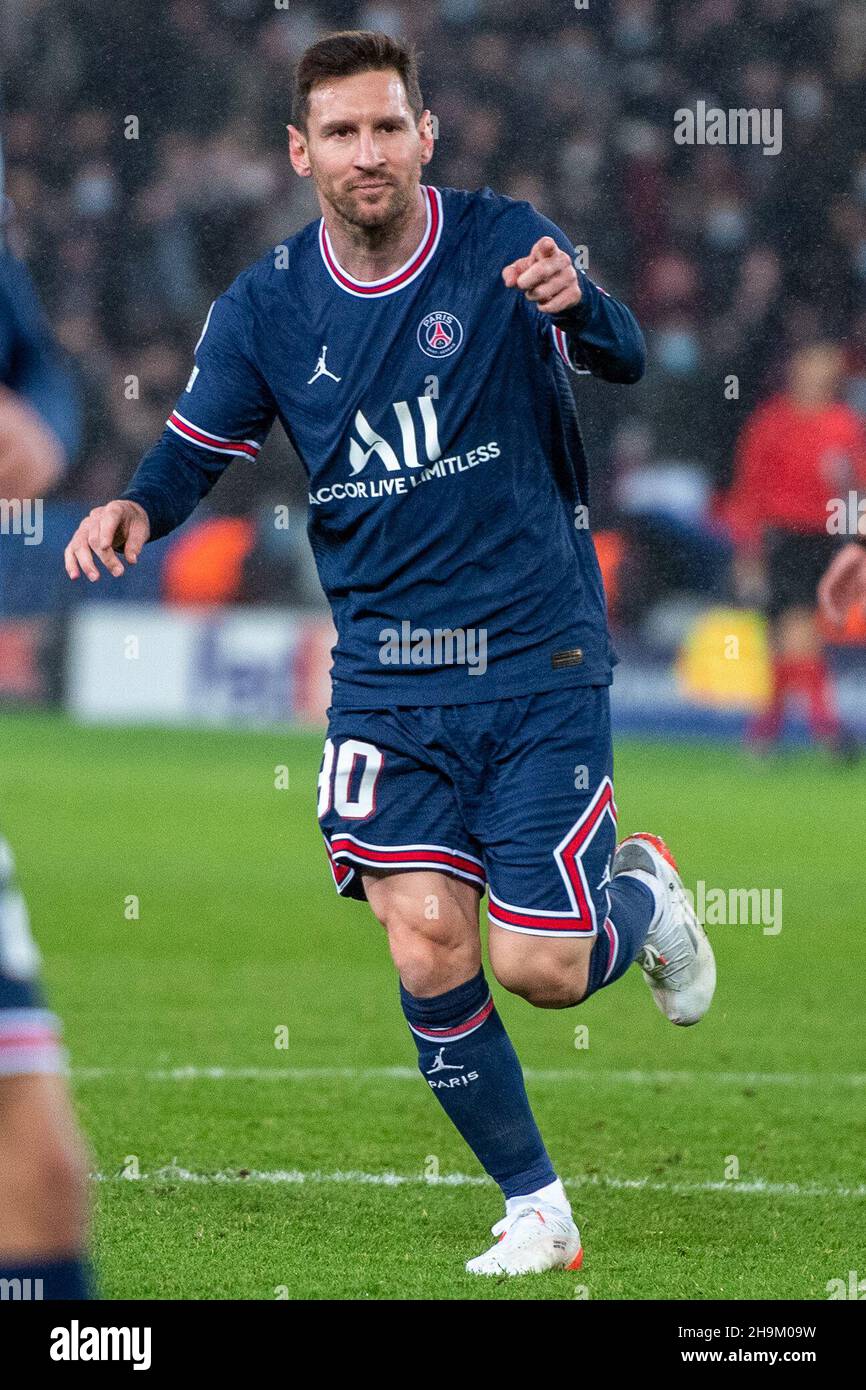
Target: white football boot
[676, 959]
[533, 1240]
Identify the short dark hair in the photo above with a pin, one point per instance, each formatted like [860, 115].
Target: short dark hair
[349, 52]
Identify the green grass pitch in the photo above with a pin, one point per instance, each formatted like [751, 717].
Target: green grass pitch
[240, 942]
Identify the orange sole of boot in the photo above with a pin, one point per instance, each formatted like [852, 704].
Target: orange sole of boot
[658, 843]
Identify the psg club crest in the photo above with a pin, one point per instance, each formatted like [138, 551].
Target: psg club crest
[440, 334]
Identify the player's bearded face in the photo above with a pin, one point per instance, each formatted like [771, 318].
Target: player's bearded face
[373, 207]
[364, 149]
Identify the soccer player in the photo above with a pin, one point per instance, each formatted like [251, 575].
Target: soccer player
[43, 1166]
[415, 343]
[798, 451]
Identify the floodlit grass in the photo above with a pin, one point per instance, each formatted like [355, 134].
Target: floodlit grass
[239, 935]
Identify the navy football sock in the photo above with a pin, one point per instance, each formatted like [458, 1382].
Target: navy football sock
[466, 1056]
[51, 1279]
[632, 908]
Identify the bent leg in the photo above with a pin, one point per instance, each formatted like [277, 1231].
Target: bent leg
[548, 972]
[559, 972]
[560, 928]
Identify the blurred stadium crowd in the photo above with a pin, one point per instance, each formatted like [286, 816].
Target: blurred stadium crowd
[731, 257]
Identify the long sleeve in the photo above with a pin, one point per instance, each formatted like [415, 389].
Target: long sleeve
[603, 335]
[600, 335]
[225, 413]
[170, 481]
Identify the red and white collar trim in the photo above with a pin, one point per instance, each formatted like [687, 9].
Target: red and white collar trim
[420, 258]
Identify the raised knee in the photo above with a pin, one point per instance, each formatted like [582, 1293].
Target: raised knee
[546, 984]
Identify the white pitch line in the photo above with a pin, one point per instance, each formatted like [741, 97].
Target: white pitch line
[558, 1076]
[757, 1187]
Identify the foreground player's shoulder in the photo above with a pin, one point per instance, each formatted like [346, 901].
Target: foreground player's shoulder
[238, 328]
[285, 264]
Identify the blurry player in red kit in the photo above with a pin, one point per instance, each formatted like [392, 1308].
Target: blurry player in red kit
[798, 451]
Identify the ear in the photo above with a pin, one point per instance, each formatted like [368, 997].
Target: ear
[425, 132]
[298, 152]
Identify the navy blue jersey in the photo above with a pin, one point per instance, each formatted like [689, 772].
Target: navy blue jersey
[434, 417]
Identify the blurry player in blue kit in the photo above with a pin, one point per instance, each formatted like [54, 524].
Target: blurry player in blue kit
[44, 1214]
[416, 344]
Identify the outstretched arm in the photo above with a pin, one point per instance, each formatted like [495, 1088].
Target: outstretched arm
[602, 335]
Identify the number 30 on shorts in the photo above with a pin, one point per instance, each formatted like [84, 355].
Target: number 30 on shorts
[349, 778]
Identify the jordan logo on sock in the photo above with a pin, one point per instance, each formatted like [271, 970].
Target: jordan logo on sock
[441, 1065]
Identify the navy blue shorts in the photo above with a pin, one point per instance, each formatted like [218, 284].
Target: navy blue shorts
[29, 1032]
[514, 796]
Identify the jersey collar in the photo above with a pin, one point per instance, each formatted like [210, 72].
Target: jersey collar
[420, 258]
